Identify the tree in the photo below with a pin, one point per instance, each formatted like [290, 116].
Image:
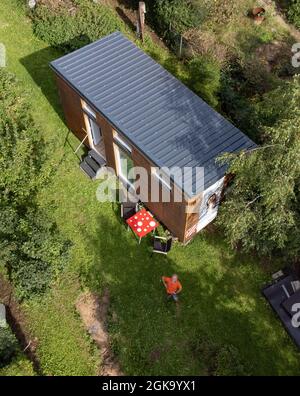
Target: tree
[261, 211]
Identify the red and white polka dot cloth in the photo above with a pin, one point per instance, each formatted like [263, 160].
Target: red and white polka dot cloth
[142, 223]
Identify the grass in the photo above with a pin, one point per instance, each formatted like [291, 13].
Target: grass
[61, 333]
[20, 366]
[221, 303]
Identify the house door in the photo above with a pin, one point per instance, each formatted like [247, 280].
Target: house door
[93, 130]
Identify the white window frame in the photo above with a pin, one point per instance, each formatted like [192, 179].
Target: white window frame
[89, 110]
[118, 150]
[122, 143]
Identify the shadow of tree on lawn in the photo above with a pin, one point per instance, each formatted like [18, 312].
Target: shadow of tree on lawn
[222, 306]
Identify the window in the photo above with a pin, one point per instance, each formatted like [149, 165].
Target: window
[91, 120]
[124, 161]
[122, 143]
[95, 131]
[88, 110]
[164, 180]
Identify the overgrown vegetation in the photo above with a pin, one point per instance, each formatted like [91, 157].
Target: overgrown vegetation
[31, 249]
[204, 78]
[294, 12]
[171, 18]
[74, 23]
[8, 346]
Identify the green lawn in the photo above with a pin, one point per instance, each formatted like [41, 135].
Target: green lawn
[222, 312]
[20, 366]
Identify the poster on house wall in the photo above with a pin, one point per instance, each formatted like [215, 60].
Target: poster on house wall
[210, 204]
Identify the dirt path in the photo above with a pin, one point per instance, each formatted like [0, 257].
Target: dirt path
[18, 323]
[129, 16]
[93, 311]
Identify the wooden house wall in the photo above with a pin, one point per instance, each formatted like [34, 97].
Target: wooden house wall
[72, 108]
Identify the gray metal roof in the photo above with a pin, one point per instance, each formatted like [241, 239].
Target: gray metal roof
[156, 112]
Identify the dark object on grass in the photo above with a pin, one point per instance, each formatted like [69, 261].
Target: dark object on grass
[128, 209]
[161, 245]
[284, 300]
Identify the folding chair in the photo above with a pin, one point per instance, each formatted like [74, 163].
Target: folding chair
[161, 245]
[128, 209]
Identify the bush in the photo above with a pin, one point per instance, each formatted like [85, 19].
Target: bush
[8, 346]
[205, 79]
[294, 13]
[31, 247]
[171, 18]
[32, 250]
[178, 15]
[71, 29]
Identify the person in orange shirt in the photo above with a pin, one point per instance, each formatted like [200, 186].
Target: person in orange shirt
[173, 286]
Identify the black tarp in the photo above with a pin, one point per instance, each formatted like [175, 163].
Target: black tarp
[276, 296]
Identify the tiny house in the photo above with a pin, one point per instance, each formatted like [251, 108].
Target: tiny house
[122, 105]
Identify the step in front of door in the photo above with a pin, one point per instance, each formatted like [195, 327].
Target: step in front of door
[92, 163]
[97, 157]
[85, 167]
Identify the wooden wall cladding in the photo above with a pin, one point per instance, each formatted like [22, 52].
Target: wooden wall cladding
[71, 103]
[192, 217]
[171, 214]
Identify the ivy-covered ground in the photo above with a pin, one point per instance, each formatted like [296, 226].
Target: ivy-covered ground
[223, 326]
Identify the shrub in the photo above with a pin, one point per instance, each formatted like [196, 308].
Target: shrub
[32, 250]
[205, 78]
[8, 346]
[171, 18]
[31, 247]
[70, 30]
[179, 15]
[20, 145]
[294, 13]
